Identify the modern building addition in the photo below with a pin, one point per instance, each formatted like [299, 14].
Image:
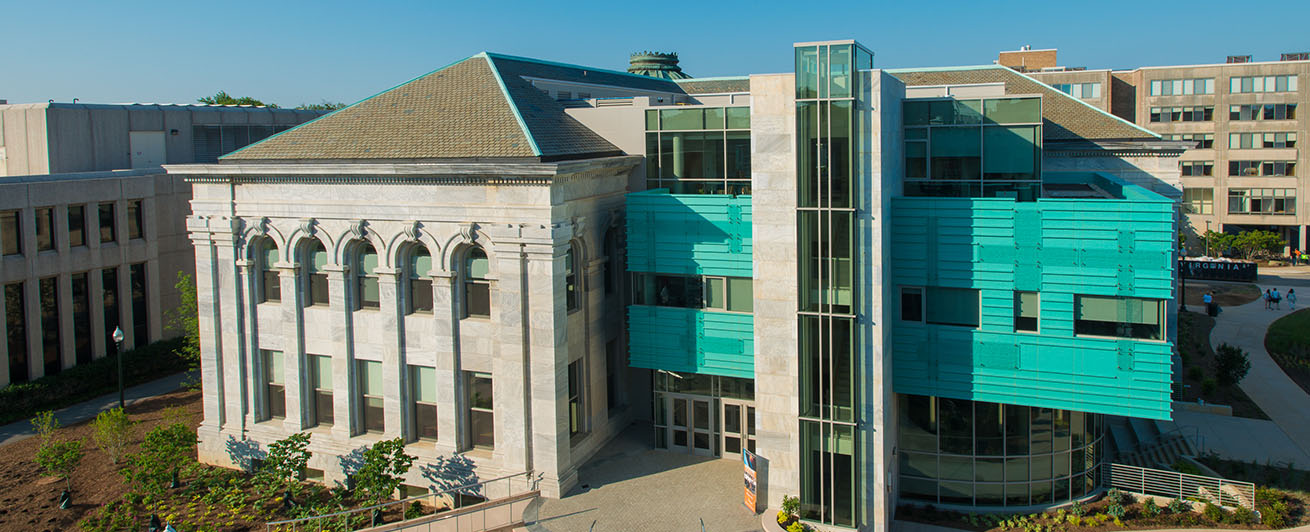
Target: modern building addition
[911, 286]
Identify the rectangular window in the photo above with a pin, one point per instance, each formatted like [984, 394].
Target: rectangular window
[135, 220]
[1198, 200]
[76, 225]
[16, 331]
[716, 293]
[741, 294]
[109, 297]
[1196, 168]
[1262, 168]
[1124, 317]
[316, 278]
[423, 383]
[1262, 84]
[1177, 87]
[420, 285]
[320, 381]
[911, 304]
[1262, 201]
[481, 415]
[270, 279]
[50, 341]
[275, 396]
[45, 229]
[1026, 311]
[576, 384]
[11, 235]
[477, 289]
[952, 306]
[140, 310]
[370, 394]
[107, 233]
[82, 317]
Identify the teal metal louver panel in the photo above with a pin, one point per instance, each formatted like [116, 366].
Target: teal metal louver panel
[691, 341]
[689, 234]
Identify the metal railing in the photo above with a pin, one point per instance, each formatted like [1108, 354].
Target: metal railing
[1163, 483]
[476, 496]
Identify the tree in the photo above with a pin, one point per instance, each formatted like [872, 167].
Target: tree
[380, 475]
[165, 449]
[185, 318]
[223, 98]
[111, 432]
[1231, 364]
[1255, 243]
[59, 458]
[322, 106]
[286, 460]
[1218, 243]
[45, 424]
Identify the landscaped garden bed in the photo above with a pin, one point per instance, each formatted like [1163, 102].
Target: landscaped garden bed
[1201, 376]
[1288, 341]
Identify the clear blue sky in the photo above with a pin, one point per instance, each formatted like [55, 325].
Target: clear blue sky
[304, 52]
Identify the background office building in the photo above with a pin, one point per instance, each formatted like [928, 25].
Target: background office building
[92, 231]
[1244, 120]
[896, 286]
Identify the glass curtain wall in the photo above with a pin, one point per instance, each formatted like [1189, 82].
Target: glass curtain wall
[827, 198]
[703, 150]
[974, 453]
[974, 148]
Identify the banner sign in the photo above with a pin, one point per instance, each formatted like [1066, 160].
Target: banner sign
[1218, 270]
[748, 463]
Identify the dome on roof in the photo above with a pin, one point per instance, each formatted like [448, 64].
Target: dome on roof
[656, 65]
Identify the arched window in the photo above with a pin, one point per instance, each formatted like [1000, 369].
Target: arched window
[313, 264]
[420, 285]
[570, 279]
[366, 278]
[477, 289]
[270, 283]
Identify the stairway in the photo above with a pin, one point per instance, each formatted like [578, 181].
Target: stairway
[1148, 443]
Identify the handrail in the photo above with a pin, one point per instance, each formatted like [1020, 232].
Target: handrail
[1164, 483]
[458, 490]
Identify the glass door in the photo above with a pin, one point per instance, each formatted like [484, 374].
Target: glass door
[738, 427]
[691, 426]
[702, 435]
[679, 424]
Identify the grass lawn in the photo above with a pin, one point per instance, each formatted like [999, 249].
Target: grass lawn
[1198, 367]
[1288, 341]
[1227, 294]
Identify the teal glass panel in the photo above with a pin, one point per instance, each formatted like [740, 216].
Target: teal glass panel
[652, 155]
[425, 384]
[478, 265]
[952, 306]
[807, 72]
[714, 118]
[370, 377]
[368, 260]
[916, 113]
[741, 297]
[714, 293]
[916, 157]
[807, 156]
[420, 263]
[919, 464]
[652, 120]
[918, 423]
[956, 153]
[839, 66]
[916, 133]
[863, 59]
[739, 117]
[738, 148]
[840, 123]
[1013, 110]
[823, 72]
[682, 119]
[1011, 152]
[321, 369]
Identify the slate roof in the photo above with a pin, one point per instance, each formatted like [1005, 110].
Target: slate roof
[715, 85]
[1064, 117]
[478, 108]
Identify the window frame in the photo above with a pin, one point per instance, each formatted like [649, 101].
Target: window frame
[109, 209]
[272, 379]
[76, 227]
[11, 242]
[363, 370]
[44, 215]
[470, 442]
[1037, 320]
[318, 390]
[363, 277]
[415, 404]
[1161, 317]
[577, 409]
[136, 227]
[269, 274]
[416, 281]
[469, 284]
[900, 308]
[310, 274]
[572, 289]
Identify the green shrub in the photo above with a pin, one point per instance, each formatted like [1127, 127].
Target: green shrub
[1231, 364]
[1115, 496]
[163, 453]
[796, 527]
[1213, 513]
[1195, 373]
[1149, 508]
[1078, 509]
[59, 458]
[89, 380]
[1177, 506]
[111, 431]
[791, 505]
[384, 465]
[1273, 507]
[1116, 510]
[286, 460]
[1208, 387]
[1185, 467]
[1241, 516]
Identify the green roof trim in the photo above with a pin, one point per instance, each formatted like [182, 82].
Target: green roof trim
[536, 150]
[495, 55]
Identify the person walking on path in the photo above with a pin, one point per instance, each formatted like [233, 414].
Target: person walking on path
[1296, 259]
[1278, 300]
[1208, 298]
[1269, 300]
[1291, 299]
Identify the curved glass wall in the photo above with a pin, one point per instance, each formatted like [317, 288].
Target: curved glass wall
[973, 453]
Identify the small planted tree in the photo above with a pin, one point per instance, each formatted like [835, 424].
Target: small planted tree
[57, 457]
[163, 453]
[1231, 364]
[111, 433]
[381, 473]
[286, 460]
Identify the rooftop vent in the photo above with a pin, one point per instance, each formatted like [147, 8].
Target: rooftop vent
[1296, 56]
[1239, 59]
[656, 65]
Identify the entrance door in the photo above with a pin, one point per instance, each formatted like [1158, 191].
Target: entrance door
[691, 425]
[738, 427]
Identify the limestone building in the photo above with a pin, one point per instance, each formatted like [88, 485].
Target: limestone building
[924, 286]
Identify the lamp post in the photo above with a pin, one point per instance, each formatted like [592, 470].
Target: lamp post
[118, 353]
[1207, 238]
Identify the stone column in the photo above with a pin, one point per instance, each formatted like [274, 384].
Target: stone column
[546, 316]
[293, 330]
[254, 363]
[345, 418]
[395, 374]
[232, 352]
[125, 291]
[32, 318]
[96, 298]
[450, 387]
[208, 296]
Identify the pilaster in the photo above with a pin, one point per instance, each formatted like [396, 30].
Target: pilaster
[450, 387]
[208, 296]
[395, 377]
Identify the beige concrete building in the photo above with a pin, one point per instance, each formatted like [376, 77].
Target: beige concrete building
[92, 232]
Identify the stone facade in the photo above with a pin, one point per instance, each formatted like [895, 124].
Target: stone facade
[525, 224]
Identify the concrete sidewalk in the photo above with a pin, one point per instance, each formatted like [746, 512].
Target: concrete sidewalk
[1231, 437]
[20, 430]
[1245, 326]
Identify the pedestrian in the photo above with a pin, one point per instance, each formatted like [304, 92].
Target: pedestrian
[1208, 298]
[1278, 300]
[1269, 300]
[1291, 299]
[1296, 259]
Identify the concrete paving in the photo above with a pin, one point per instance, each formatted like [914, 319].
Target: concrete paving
[1244, 326]
[1232, 438]
[20, 430]
[906, 526]
[630, 487]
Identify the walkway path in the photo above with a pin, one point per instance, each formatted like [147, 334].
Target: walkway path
[77, 413]
[1231, 437]
[1244, 326]
[907, 526]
